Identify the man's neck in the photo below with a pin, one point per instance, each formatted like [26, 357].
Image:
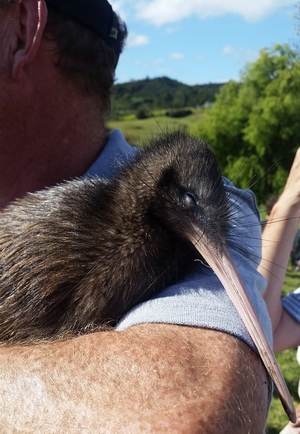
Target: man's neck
[41, 157]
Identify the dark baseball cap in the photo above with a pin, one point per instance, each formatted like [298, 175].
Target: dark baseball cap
[96, 15]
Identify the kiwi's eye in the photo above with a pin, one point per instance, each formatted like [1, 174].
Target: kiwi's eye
[189, 199]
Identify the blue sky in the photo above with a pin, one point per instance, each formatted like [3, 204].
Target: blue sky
[200, 41]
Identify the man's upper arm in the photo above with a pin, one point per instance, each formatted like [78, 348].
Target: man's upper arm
[149, 378]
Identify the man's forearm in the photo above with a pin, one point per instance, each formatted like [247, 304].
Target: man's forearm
[148, 379]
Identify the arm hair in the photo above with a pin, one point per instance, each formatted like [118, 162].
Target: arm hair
[147, 379]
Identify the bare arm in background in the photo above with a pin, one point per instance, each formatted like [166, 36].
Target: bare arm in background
[278, 237]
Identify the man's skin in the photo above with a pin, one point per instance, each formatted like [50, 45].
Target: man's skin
[150, 378]
[49, 130]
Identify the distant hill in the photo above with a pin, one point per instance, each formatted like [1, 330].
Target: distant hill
[160, 93]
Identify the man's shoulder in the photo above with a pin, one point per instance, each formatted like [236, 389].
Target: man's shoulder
[116, 153]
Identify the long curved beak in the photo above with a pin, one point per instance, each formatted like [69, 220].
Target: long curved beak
[221, 263]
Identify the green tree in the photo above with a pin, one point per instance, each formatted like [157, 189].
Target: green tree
[254, 125]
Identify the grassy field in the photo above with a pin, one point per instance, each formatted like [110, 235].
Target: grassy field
[139, 131]
[289, 366]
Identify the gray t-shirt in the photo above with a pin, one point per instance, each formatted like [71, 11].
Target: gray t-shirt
[200, 299]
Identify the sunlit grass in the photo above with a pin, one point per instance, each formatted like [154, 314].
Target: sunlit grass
[139, 131]
[289, 366]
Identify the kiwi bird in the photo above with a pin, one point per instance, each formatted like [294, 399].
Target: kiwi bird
[77, 256]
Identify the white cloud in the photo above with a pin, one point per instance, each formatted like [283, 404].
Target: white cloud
[158, 61]
[176, 56]
[199, 57]
[135, 40]
[241, 53]
[160, 12]
[228, 49]
[173, 29]
[121, 8]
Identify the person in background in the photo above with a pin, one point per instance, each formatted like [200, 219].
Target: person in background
[295, 251]
[278, 238]
[181, 362]
[269, 205]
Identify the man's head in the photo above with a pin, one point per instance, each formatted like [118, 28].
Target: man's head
[89, 38]
[56, 75]
[95, 15]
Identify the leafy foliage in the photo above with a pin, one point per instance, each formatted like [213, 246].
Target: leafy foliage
[254, 126]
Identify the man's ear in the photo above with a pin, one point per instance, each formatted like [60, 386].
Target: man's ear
[32, 20]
